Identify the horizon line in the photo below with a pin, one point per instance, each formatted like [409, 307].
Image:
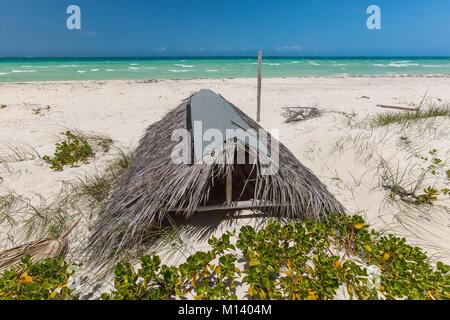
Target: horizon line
[226, 56]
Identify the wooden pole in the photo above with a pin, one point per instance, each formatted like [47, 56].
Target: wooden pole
[229, 190]
[258, 97]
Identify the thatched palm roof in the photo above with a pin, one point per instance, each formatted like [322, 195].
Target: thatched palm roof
[155, 187]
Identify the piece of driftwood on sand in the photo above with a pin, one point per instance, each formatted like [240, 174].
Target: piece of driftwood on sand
[297, 114]
[384, 106]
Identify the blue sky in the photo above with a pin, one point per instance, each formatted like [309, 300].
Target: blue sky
[224, 27]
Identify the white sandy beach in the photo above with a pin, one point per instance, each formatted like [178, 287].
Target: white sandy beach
[346, 158]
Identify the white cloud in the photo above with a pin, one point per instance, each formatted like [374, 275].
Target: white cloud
[289, 48]
[196, 50]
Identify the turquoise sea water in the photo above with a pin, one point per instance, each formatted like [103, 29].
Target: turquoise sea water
[38, 69]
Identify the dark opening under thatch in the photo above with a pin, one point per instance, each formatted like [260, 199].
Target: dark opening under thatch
[155, 187]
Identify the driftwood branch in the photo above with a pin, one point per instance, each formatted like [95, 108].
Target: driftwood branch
[397, 107]
[405, 108]
[296, 114]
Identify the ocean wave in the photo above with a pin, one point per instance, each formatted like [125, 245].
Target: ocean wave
[183, 65]
[94, 70]
[268, 63]
[314, 63]
[212, 70]
[134, 64]
[134, 68]
[402, 65]
[81, 71]
[435, 65]
[3, 73]
[177, 70]
[395, 65]
[23, 71]
[68, 66]
[109, 70]
[38, 67]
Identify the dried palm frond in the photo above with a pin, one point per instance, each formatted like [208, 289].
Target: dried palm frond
[37, 250]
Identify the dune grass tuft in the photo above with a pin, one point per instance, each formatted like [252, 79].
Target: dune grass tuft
[8, 203]
[17, 153]
[124, 159]
[46, 219]
[385, 119]
[39, 217]
[96, 185]
[418, 184]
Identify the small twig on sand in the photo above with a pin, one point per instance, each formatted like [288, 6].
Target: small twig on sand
[423, 100]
